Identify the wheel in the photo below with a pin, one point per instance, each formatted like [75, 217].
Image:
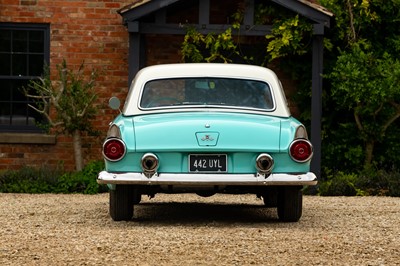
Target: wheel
[290, 204]
[205, 193]
[121, 207]
[137, 197]
[270, 197]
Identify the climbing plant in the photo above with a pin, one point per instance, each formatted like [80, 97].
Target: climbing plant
[289, 35]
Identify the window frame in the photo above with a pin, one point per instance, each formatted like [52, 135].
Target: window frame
[45, 28]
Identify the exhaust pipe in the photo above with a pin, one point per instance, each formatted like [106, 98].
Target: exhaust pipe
[149, 164]
[264, 163]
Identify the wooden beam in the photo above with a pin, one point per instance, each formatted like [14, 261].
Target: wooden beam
[316, 99]
[204, 12]
[180, 29]
[248, 19]
[137, 55]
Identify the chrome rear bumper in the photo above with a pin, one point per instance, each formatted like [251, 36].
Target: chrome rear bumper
[208, 179]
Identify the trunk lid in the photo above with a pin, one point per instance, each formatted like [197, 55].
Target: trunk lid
[206, 131]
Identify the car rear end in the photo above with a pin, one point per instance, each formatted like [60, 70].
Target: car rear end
[200, 135]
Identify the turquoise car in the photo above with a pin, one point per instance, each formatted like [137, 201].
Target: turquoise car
[205, 129]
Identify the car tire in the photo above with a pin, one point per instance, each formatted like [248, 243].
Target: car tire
[136, 197]
[121, 207]
[270, 197]
[205, 194]
[290, 204]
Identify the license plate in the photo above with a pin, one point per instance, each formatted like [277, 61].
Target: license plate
[207, 163]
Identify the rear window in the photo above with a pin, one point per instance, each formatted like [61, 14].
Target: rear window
[200, 92]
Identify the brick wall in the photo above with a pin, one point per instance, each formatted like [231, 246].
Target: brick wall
[79, 30]
[163, 54]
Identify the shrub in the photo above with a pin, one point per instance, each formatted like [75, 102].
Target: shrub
[370, 181]
[381, 183]
[341, 184]
[45, 180]
[29, 180]
[393, 179]
[83, 181]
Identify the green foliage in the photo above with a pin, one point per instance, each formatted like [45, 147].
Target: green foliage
[367, 182]
[197, 47]
[45, 180]
[75, 104]
[341, 184]
[380, 182]
[287, 38]
[72, 96]
[338, 155]
[393, 183]
[361, 90]
[361, 95]
[29, 180]
[73, 99]
[83, 181]
[365, 75]
[358, 73]
[190, 48]
[290, 36]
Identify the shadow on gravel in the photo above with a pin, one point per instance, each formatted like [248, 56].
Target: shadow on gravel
[202, 214]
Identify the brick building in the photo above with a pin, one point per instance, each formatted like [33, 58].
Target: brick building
[33, 31]
[38, 32]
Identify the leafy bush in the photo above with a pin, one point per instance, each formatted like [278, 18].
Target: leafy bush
[393, 179]
[367, 182]
[83, 181]
[28, 180]
[44, 180]
[381, 183]
[341, 184]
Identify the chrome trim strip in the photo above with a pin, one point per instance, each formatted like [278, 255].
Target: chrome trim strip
[207, 179]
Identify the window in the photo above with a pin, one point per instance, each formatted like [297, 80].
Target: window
[24, 51]
[210, 92]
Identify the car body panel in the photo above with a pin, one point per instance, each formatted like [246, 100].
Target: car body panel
[219, 131]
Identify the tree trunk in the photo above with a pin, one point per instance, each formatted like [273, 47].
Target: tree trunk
[77, 142]
[369, 150]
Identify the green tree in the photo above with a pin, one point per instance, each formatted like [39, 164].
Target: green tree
[72, 97]
[364, 70]
[361, 93]
[369, 86]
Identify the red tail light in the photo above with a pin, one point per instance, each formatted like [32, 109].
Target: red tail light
[114, 149]
[301, 150]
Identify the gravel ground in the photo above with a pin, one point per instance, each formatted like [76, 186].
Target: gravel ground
[190, 230]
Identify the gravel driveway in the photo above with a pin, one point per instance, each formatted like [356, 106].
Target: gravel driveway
[190, 230]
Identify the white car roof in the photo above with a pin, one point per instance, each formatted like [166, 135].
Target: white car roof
[193, 70]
